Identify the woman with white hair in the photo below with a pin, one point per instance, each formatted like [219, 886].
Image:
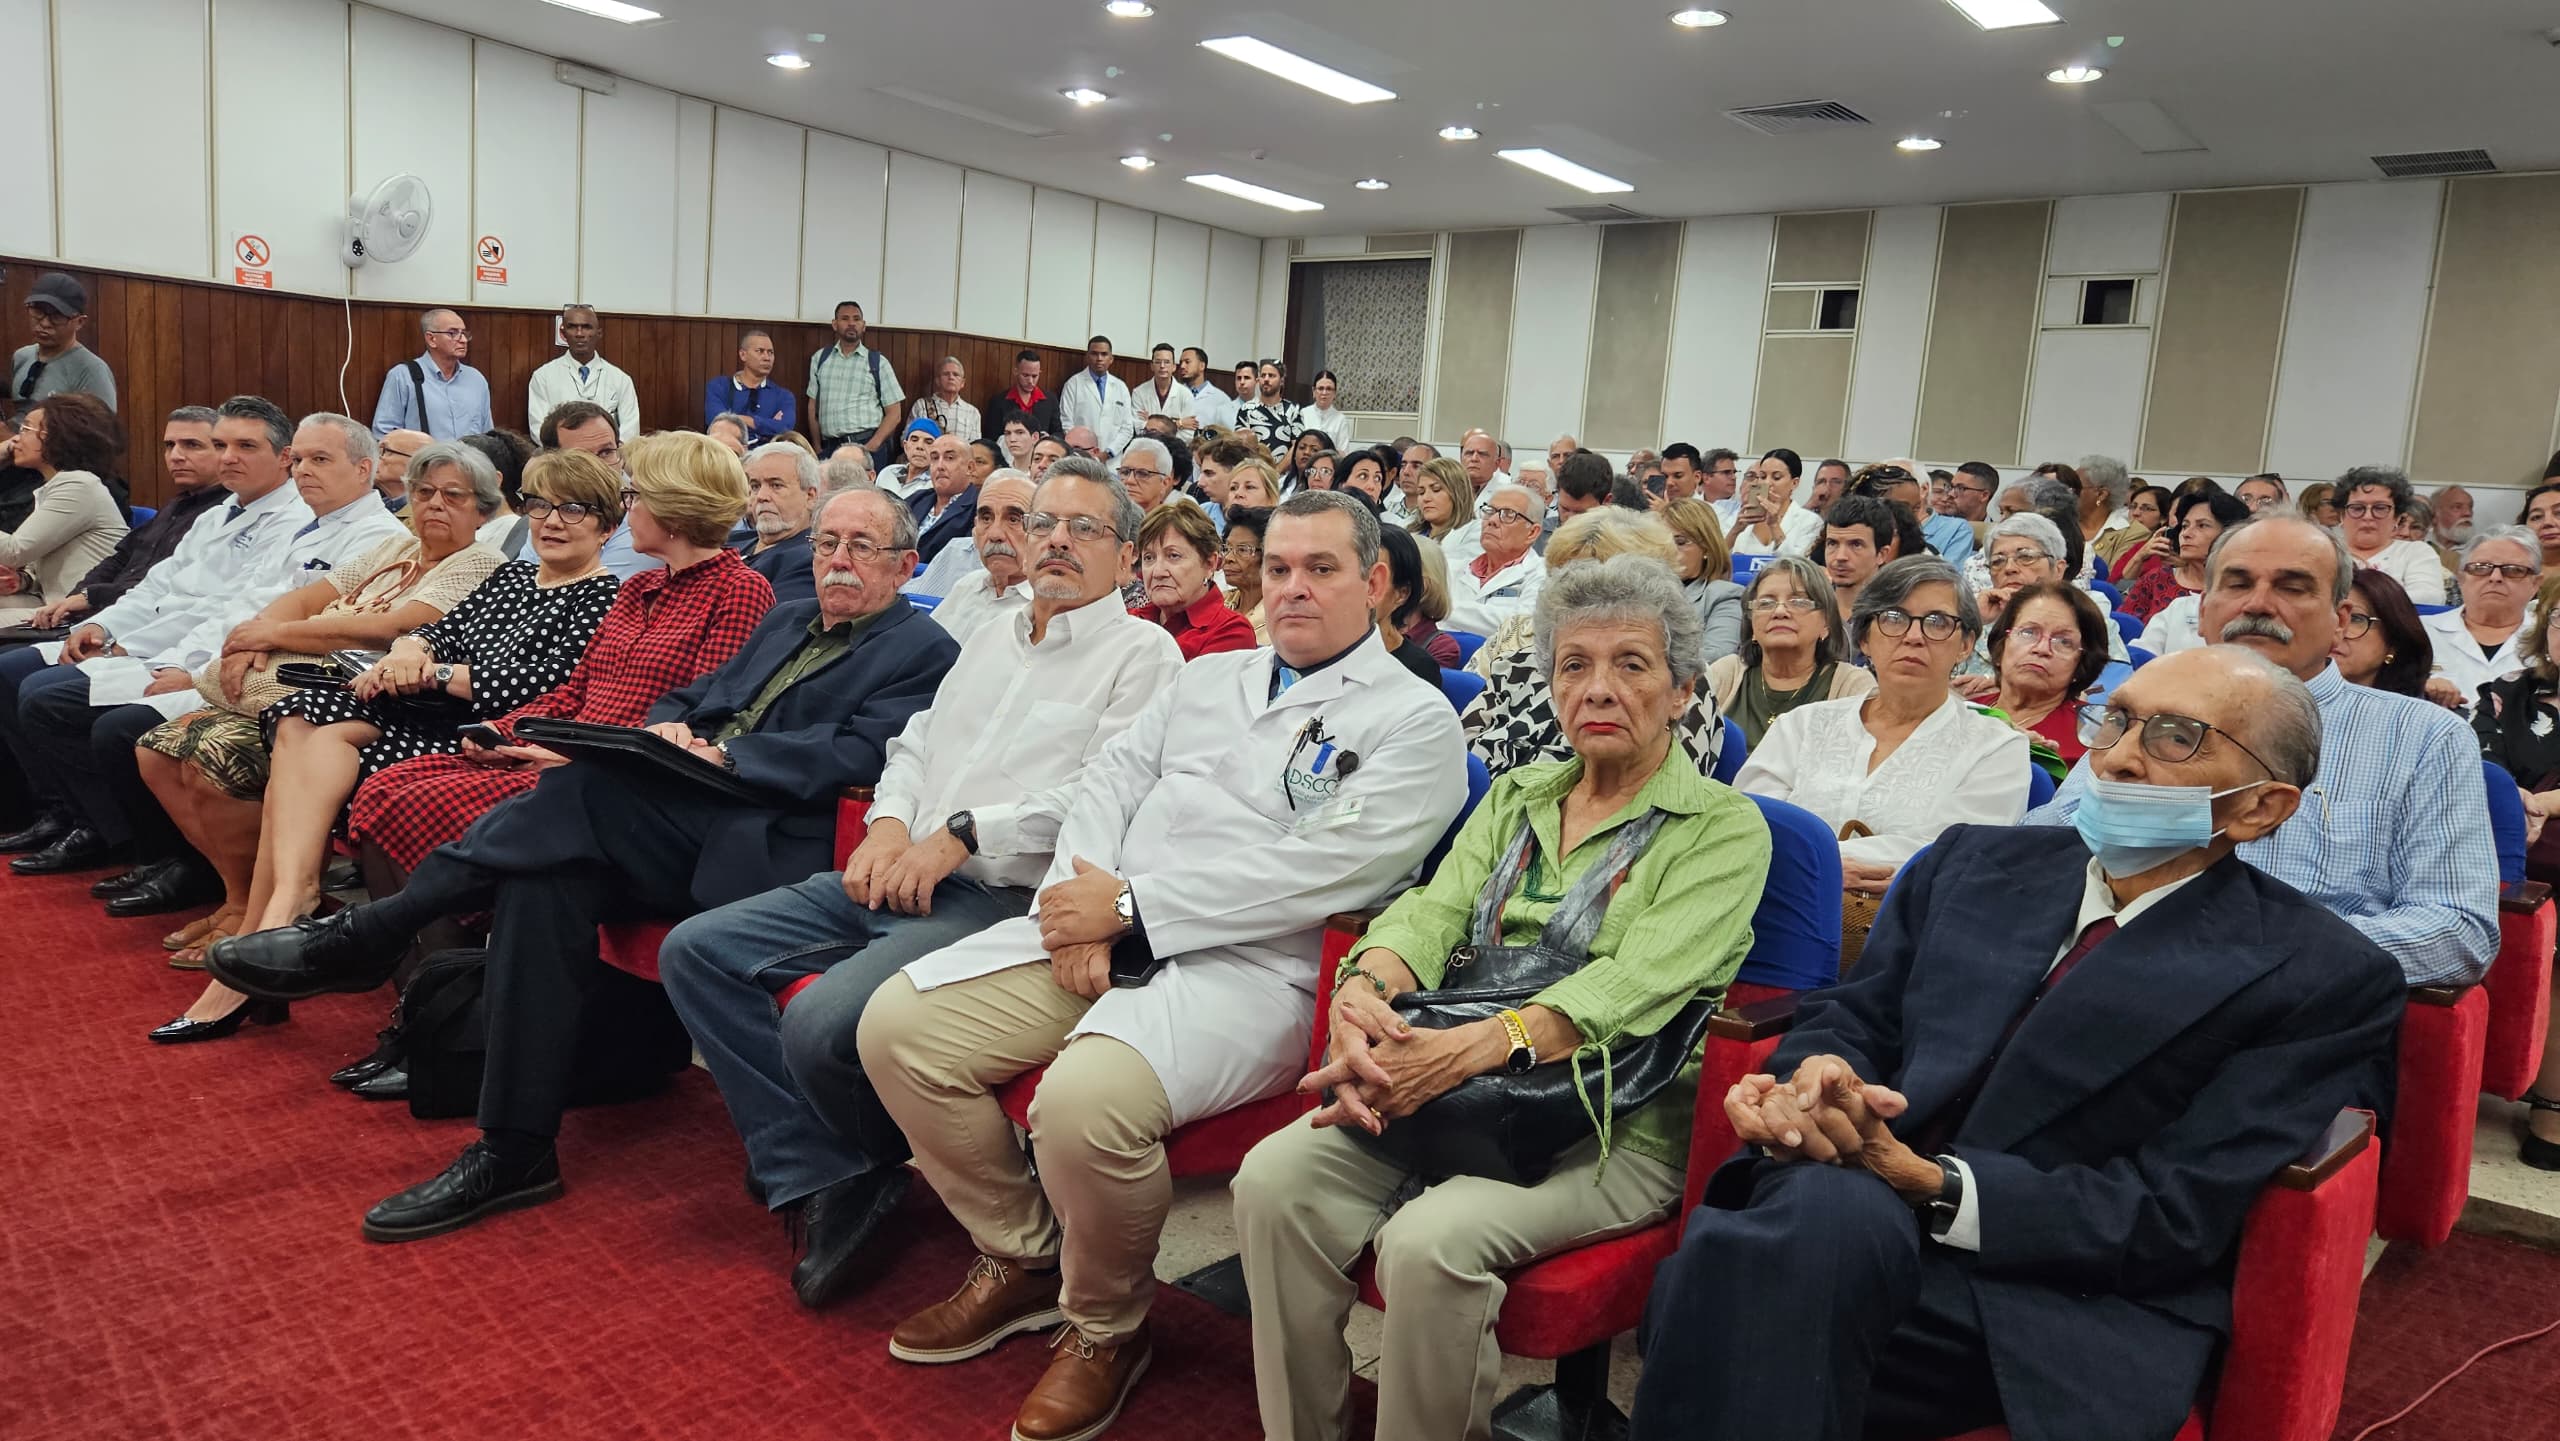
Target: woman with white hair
[2483, 638]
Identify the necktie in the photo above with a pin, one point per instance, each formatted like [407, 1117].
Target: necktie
[1943, 1126]
[582, 375]
[236, 511]
[306, 530]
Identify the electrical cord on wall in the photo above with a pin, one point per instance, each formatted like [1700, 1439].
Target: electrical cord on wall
[347, 357]
[2448, 1380]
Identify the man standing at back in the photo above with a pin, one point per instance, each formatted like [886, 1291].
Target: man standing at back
[579, 373]
[1037, 409]
[750, 390]
[1094, 399]
[854, 396]
[436, 392]
[57, 362]
[1270, 415]
[1210, 406]
[1164, 394]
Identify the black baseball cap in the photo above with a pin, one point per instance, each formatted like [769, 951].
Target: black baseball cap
[59, 293]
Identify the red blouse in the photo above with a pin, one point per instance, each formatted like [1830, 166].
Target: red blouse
[2063, 729]
[1207, 626]
[2152, 591]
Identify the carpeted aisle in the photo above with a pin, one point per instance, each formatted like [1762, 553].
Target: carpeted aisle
[179, 1253]
[2424, 1312]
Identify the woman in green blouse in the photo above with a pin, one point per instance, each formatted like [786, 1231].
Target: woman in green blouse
[1624, 856]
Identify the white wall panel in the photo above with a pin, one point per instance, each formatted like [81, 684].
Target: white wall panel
[2087, 394]
[398, 59]
[1271, 302]
[280, 173]
[1334, 245]
[1124, 248]
[920, 284]
[1061, 270]
[135, 188]
[1893, 331]
[755, 215]
[1235, 278]
[1177, 303]
[1715, 329]
[2347, 378]
[2108, 234]
[627, 228]
[695, 122]
[1550, 336]
[846, 202]
[995, 258]
[26, 112]
[524, 168]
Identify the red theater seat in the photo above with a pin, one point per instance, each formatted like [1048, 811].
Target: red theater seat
[2427, 1176]
[633, 945]
[2519, 987]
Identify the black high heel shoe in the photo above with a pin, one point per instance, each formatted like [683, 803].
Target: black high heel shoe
[183, 1031]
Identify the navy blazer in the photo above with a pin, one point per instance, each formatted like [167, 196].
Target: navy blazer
[956, 521]
[827, 733]
[2130, 1123]
[789, 566]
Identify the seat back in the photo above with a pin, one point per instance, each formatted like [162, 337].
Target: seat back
[1795, 931]
[924, 602]
[2436, 609]
[2293, 1293]
[2426, 1176]
[1468, 643]
[1747, 566]
[1479, 780]
[2128, 625]
[1732, 753]
[2040, 786]
[2106, 682]
[142, 515]
[1461, 687]
[2102, 588]
[2137, 657]
[2506, 821]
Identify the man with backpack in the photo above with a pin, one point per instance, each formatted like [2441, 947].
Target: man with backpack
[436, 392]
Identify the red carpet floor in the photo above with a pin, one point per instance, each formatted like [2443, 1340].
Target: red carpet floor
[179, 1252]
[2424, 1312]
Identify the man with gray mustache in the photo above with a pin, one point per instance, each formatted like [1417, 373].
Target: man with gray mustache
[984, 579]
[2395, 839]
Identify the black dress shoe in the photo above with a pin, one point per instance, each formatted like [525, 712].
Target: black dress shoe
[840, 1222]
[77, 849]
[390, 1047]
[391, 1083]
[42, 832]
[160, 887]
[117, 884]
[477, 1184]
[311, 957]
[182, 1031]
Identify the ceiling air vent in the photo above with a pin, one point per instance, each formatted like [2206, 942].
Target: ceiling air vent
[2434, 162]
[1595, 214]
[1796, 116]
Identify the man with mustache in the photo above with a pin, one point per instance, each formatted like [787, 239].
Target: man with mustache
[982, 578]
[962, 825]
[2396, 841]
[807, 708]
[782, 487]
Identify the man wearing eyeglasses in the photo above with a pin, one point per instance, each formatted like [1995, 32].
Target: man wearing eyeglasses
[1504, 578]
[57, 307]
[1997, 1175]
[436, 392]
[391, 466]
[2397, 844]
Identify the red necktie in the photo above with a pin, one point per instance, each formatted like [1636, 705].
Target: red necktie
[1943, 1126]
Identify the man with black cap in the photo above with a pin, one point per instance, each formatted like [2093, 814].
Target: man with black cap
[57, 362]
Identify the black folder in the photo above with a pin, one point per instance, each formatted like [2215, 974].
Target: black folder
[633, 750]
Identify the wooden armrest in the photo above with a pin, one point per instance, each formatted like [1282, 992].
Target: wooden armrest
[2345, 1139]
[1354, 923]
[2525, 896]
[2440, 994]
[1757, 1021]
[858, 793]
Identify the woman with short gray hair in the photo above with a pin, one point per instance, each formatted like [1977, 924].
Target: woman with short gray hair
[2483, 638]
[1617, 887]
[1795, 650]
[1892, 769]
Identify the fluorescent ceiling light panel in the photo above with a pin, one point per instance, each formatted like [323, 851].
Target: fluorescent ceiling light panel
[1554, 166]
[2006, 14]
[1259, 195]
[609, 10]
[1297, 69]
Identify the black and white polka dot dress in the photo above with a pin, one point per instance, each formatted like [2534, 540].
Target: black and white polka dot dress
[520, 639]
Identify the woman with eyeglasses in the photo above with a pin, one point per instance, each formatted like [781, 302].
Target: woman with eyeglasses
[1240, 564]
[2047, 648]
[2483, 638]
[2319, 505]
[1795, 652]
[2148, 506]
[2382, 643]
[1320, 418]
[2373, 498]
[1302, 453]
[1891, 769]
[71, 441]
[1177, 560]
[2518, 722]
[1321, 469]
[2176, 556]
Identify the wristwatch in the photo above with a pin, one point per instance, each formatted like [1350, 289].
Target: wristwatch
[964, 828]
[444, 677]
[1940, 1210]
[1125, 906]
[1524, 1055]
[728, 762]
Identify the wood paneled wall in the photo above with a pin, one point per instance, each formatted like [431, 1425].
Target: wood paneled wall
[187, 342]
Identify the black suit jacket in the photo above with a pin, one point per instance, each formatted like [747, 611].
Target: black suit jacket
[828, 732]
[788, 566]
[2119, 1142]
[956, 521]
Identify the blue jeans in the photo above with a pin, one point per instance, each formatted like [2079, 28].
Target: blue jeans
[793, 1081]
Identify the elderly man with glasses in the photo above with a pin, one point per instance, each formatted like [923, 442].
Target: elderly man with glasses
[1502, 580]
[436, 392]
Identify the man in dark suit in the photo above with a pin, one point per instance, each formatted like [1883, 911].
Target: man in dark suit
[804, 710]
[2001, 1171]
[782, 490]
[946, 508]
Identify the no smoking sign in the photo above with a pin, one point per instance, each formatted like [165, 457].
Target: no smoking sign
[492, 269]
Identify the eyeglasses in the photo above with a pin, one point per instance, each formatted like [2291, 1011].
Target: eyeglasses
[1936, 625]
[2372, 510]
[2484, 569]
[630, 496]
[1504, 512]
[2358, 624]
[2060, 642]
[572, 511]
[397, 454]
[1139, 472]
[2008, 558]
[449, 494]
[1976, 489]
[1084, 529]
[2165, 736]
[455, 334]
[864, 552]
[1772, 604]
[1244, 552]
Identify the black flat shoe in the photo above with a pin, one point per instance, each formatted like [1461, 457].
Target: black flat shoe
[160, 887]
[839, 1223]
[2534, 1151]
[77, 849]
[305, 959]
[477, 1184]
[182, 1031]
[42, 832]
[389, 1049]
[391, 1083]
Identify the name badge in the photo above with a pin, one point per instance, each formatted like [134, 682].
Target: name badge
[1340, 813]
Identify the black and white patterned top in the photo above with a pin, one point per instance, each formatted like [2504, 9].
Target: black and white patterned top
[1276, 426]
[1513, 722]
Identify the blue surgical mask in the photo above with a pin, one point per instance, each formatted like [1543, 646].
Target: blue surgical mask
[2132, 827]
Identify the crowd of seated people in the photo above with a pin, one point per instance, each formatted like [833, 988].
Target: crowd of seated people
[1093, 668]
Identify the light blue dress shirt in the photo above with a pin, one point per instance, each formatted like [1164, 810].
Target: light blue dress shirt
[618, 556]
[455, 408]
[1951, 536]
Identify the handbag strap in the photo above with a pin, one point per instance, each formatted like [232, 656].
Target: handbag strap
[1576, 919]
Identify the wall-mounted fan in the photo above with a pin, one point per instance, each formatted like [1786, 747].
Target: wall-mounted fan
[388, 223]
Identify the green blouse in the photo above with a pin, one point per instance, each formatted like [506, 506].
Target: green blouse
[1678, 928]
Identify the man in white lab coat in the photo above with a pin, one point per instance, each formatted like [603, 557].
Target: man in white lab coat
[1168, 971]
[1098, 400]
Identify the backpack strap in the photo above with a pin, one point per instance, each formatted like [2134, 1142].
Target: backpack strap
[418, 382]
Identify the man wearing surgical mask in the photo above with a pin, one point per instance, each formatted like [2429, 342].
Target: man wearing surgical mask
[2395, 837]
[2042, 1057]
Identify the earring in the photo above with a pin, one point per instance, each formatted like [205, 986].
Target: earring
[2389, 656]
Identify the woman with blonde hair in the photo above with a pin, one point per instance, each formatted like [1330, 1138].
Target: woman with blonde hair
[1444, 503]
[1706, 569]
[1252, 482]
[1431, 607]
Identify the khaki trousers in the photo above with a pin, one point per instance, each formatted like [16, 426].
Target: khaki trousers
[1307, 1202]
[1099, 1124]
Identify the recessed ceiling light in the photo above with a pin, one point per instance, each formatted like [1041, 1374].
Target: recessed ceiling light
[1138, 162]
[1129, 9]
[1581, 177]
[2074, 74]
[788, 60]
[609, 10]
[1372, 183]
[1259, 195]
[1459, 132]
[1297, 69]
[1915, 143]
[2006, 14]
[1698, 19]
[1085, 95]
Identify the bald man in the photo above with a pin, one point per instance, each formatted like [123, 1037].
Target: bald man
[391, 465]
[436, 392]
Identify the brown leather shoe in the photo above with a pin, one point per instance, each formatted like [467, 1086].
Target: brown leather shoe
[999, 1299]
[1080, 1395]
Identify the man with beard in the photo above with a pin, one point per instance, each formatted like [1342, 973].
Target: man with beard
[962, 826]
[782, 491]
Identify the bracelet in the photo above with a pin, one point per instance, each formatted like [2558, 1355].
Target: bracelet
[1350, 969]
